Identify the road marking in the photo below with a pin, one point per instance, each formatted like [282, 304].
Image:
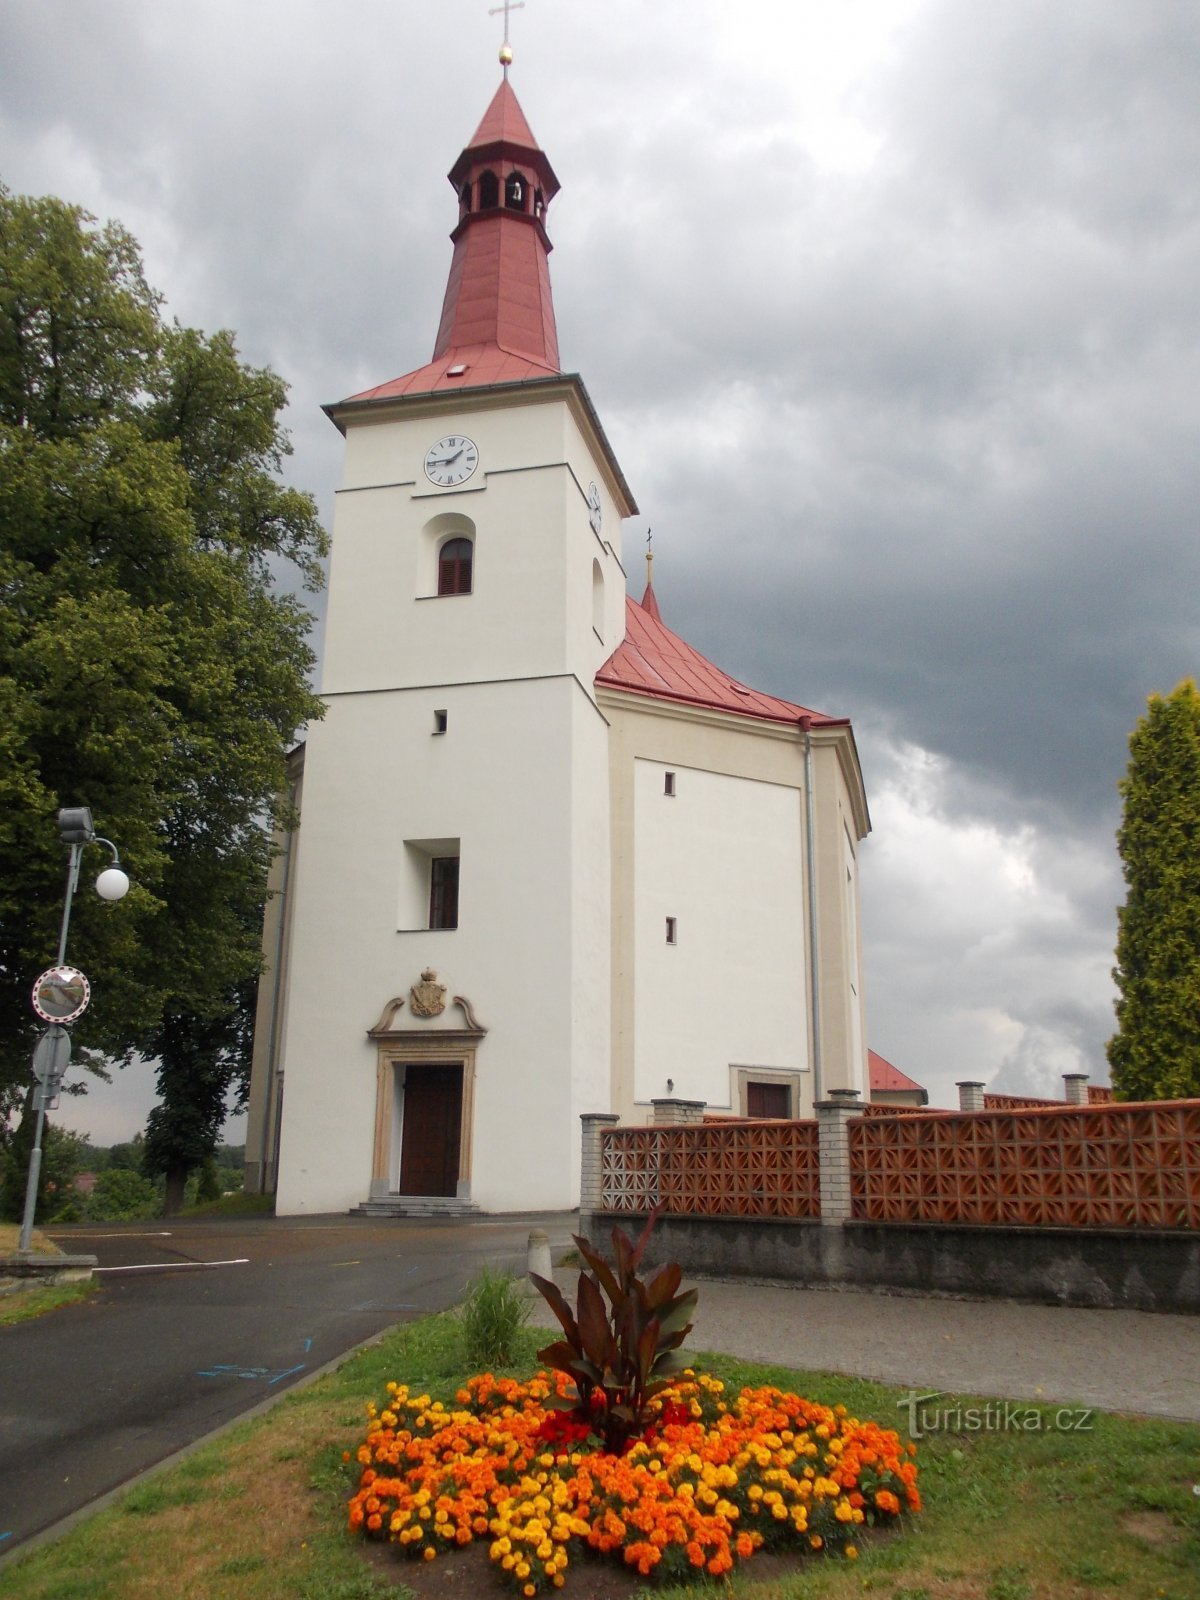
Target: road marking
[4, 1536]
[307, 1346]
[345, 1263]
[163, 1233]
[225, 1369]
[174, 1266]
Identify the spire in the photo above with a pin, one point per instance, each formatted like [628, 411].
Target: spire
[497, 323]
[498, 294]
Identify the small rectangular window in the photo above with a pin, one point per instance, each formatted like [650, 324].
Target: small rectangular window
[671, 930]
[668, 783]
[440, 721]
[443, 892]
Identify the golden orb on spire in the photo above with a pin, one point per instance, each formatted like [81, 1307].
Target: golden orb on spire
[506, 55]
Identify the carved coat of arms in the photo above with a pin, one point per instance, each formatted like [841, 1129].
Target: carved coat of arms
[427, 998]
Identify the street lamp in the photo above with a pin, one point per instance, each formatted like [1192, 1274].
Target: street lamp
[61, 994]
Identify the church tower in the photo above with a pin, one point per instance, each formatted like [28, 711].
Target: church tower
[447, 1008]
[552, 861]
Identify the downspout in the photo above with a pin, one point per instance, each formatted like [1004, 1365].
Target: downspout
[814, 962]
[268, 1120]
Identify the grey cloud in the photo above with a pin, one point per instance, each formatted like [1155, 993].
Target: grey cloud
[917, 441]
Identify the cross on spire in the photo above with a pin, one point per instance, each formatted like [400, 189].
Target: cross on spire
[506, 54]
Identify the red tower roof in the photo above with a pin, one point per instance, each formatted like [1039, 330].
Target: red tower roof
[652, 660]
[497, 323]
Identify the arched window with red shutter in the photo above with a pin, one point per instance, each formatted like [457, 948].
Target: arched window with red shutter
[455, 560]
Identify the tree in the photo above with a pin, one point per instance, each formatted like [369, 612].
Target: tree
[1155, 1053]
[201, 1062]
[150, 666]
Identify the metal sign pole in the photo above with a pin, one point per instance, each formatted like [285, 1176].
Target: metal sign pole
[35, 1172]
[35, 1155]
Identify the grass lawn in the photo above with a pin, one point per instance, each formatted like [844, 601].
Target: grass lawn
[1025, 1515]
[24, 1299]
[10, 1241]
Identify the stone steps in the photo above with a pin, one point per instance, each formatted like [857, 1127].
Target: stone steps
[407, 1205]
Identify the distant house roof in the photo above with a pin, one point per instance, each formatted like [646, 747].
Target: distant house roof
[651, 660]
[887, 1079]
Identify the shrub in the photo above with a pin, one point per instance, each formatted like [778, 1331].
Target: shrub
[620, 1356]
[494, 1312]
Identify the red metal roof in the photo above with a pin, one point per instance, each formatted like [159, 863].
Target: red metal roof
[482, 364]
[886, 1077]
[504, 121]
[497, 322]
[652, 660]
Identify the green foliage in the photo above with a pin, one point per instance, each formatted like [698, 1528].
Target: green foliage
[123, 1196]
[149, 665]
[128, 1156]
[1155, 1053]
[494, 1311]
[64, 1156]
[621, 1355]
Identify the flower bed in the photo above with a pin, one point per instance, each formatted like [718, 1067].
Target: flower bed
[709, 1482]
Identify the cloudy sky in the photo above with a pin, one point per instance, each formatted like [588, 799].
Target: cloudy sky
[890, 310]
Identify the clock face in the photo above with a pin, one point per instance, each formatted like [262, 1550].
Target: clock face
[595, 513]
[451, 460]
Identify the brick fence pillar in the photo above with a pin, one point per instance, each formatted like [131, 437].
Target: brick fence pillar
[591, 1172]
[674, 1113]
[833, 1152]
[970, 1096]
[1075, 1084]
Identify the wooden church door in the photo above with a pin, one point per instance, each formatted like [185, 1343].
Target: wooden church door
[432, 1130]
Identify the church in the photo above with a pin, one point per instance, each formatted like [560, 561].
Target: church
[550, 860]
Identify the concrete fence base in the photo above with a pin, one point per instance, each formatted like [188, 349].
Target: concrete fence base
[1131, 1269]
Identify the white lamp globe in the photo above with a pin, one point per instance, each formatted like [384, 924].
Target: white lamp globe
[112, 884]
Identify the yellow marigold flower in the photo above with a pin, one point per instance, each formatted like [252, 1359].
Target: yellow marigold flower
[851, 1553]
[429, 1552]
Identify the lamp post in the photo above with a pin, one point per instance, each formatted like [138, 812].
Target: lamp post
[61, 994]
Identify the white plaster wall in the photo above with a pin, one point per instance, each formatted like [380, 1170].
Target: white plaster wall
[530, 612]
[724, 856]
[502, 780]
[843, 1008]
[591, 1012]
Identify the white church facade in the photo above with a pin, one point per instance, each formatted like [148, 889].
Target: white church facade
[550, 860]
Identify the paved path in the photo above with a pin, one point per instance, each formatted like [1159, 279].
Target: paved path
[1134, 1361]
[198, 1321]
[231, 1313]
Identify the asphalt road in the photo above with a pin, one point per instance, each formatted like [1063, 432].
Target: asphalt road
[196, 1322]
